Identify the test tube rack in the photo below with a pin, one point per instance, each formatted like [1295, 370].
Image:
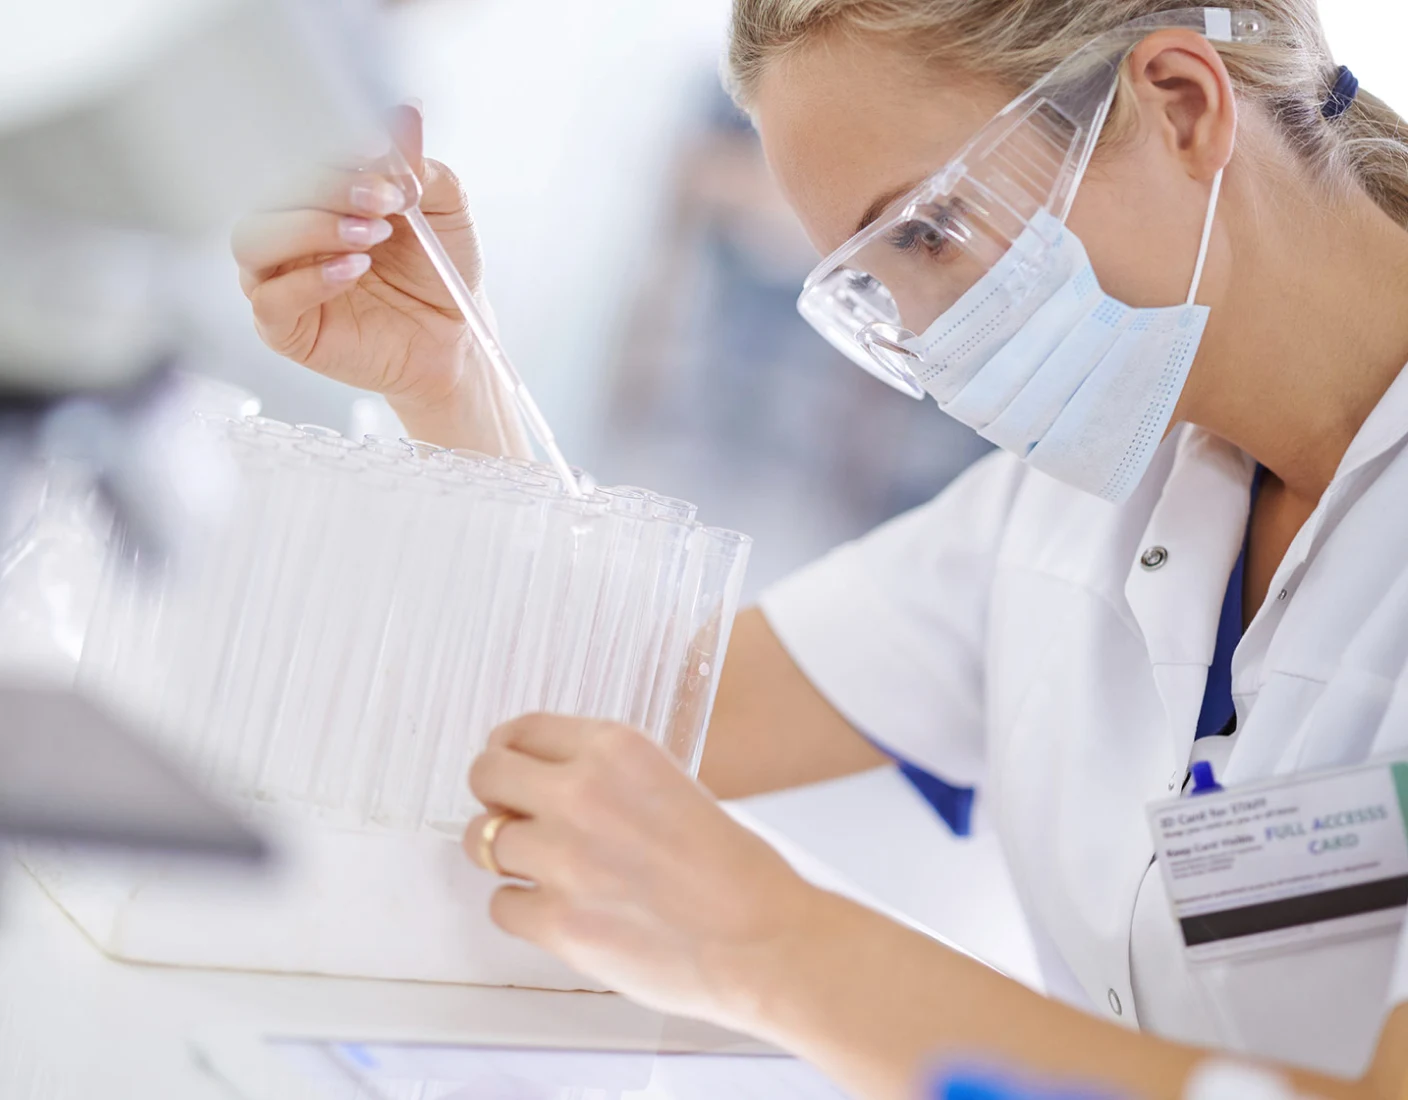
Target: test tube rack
[335, 656]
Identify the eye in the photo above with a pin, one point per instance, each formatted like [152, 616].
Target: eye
[916, 236]
[929, 235]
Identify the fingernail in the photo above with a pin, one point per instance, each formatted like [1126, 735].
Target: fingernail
[346, 268]
[416, 104]
[378, 197]
[361, 231]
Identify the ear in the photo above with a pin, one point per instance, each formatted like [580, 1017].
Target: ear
[1184, 94]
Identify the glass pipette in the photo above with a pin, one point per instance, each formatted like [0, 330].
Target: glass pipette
[479, 326]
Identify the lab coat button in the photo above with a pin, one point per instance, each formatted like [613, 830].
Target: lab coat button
[1281, 595]
[1115, 1006]
[1153, 558]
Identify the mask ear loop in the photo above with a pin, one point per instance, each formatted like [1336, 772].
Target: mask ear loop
[1207, 239]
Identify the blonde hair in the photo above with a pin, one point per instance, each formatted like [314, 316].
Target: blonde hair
[1016, 42]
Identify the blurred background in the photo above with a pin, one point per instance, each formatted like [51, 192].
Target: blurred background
[644, 270]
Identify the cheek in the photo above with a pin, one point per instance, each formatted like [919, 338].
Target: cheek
[1140, 240]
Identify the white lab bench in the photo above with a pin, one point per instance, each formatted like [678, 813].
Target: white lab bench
[76, 1024]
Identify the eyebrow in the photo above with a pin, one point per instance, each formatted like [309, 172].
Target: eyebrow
[876, 208]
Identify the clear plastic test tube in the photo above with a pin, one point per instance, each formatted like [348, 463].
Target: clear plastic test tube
[722, 557]
[656, 504]
[143, 591]
[264, 731]
[275, 429]
[423, 450]
[264, 634]
[328, 436]
[585, 482]
[582, 527]
[525, 673]
[617, 621]
[435, 600]
[339, 770]
[199, 595]
[659, 585]
[192, 600]
[331, 575]
[385, 445]
[672, 508]
[508, 635]
[469, 465]
[219, 610]
[464, 605]
[526, 464]
[496, 583]
[102, 661]
[628, 500]
[522, 474]
[677, 640]
[402, 578]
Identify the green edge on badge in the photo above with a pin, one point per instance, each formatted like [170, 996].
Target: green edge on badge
[1400, 781]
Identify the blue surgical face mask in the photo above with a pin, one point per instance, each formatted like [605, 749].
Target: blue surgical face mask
[1041, 361]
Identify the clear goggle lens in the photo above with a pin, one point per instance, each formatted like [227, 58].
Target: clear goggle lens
[923, 255]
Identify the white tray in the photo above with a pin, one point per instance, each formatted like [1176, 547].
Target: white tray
[394, 905]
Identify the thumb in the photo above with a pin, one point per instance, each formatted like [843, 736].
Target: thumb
[408, 132]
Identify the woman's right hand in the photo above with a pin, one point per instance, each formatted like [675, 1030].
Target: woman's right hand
[340, 285]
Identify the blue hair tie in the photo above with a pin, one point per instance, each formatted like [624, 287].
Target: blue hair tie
[1342, 94]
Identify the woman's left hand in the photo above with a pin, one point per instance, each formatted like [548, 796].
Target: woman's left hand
[636, 876]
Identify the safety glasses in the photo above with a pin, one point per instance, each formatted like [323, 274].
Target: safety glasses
[930, 248]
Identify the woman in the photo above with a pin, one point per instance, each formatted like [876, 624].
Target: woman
[1177, 481]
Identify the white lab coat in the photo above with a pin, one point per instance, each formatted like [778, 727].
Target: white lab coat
[1008, 636]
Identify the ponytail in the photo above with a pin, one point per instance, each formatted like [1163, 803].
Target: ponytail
[1371, 141]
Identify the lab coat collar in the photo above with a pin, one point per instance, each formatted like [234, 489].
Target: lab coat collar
[1384, 429]
[1198, 522]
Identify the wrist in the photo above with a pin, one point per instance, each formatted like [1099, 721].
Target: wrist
[420, 412]
[430, 420]
[761, 982]
[473, 413]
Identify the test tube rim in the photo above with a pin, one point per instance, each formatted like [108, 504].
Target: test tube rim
[268, 425]
[319, 448]
[322, 431]
[385, 444]
[726, 536]
[432, 449]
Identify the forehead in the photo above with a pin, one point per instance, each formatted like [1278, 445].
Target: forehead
[845, 119]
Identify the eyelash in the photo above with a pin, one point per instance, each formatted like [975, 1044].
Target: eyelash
[913, 235]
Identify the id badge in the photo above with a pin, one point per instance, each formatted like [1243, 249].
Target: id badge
[1285, 863]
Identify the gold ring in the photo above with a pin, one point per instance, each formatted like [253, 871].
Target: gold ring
[487, 835]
